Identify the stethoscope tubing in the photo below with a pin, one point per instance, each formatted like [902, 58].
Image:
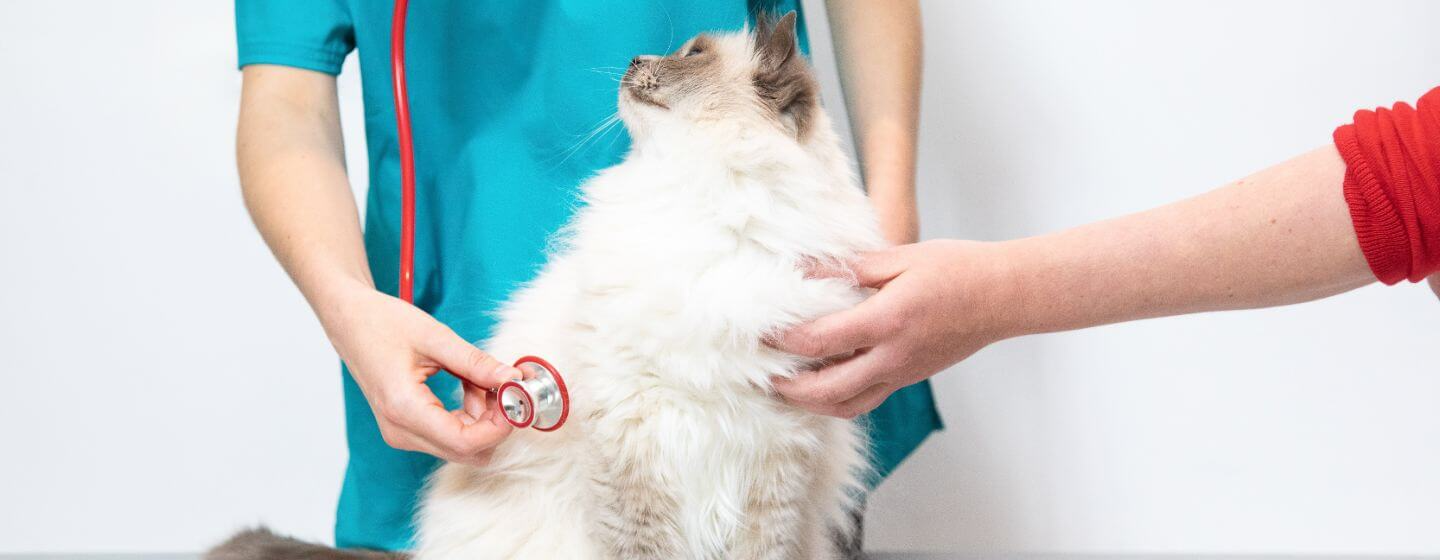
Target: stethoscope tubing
[406, 290]
[553, 392]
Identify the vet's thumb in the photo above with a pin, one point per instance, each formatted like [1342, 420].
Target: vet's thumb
[469, 362]
[874, 269]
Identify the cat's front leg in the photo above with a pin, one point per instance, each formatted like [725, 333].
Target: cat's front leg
[636, 513]
[778, 512]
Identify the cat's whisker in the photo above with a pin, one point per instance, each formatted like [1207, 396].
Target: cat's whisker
[597, 132]
[613, 139]
[676, 263]
[616, 74]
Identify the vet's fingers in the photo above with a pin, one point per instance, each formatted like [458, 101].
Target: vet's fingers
[466, 361]
[842, 332]
[865, 402]
[1435, 283]
[472, 399]
[877, 268]
[451, 437]
[816, 269]
[836, 383]
[492, 410]
[478, 460]
[464, 416]
[481, 404]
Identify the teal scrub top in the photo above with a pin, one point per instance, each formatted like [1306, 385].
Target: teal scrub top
[502, 96]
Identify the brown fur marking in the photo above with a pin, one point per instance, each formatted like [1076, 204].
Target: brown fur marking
[783, 79]
[261, 544]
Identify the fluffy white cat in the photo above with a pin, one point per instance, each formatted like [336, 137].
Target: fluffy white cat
[655, 306]
[684, 259]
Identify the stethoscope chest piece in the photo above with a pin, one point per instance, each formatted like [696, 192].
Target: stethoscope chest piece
[539, 402]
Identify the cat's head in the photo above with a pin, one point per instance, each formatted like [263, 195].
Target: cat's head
[755, 78]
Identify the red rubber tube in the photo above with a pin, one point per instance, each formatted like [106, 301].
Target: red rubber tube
[407, 195]
[407, 153]
[559, 382]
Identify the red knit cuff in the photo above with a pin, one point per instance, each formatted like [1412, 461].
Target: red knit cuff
[1377, 224]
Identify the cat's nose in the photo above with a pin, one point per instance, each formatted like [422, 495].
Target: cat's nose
[637, 61]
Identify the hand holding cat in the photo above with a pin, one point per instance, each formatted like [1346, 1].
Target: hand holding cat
[391, 348]
[938, 303]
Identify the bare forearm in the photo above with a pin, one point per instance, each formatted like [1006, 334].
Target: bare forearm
[878, 46]
[1281, 236]
[292, 173]
[1284, 235]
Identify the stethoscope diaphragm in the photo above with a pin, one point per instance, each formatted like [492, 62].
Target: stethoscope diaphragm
[540, 401]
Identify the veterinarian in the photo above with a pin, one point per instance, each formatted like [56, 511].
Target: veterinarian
[1366, 208]
[503, 96]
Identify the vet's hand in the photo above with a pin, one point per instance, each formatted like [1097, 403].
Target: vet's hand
[938, 303]
[392, 347]
[1435, 284]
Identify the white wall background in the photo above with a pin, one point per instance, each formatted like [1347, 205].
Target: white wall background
[161, 382]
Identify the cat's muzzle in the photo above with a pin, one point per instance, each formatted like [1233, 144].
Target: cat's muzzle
[539, 401]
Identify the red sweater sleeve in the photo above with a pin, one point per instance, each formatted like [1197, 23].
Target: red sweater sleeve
[1392, 184]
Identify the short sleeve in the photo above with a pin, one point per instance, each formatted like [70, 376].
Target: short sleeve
[310, 34]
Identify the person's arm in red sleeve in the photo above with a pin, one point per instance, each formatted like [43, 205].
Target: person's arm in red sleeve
[1392, 185]
[1320, 224]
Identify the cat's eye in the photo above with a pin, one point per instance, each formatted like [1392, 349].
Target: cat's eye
[694, 50]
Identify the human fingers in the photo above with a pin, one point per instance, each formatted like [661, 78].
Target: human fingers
[465, 360]
[862, 403]
[874, 269]
[451, 436]
[843, 332]
[836, 383]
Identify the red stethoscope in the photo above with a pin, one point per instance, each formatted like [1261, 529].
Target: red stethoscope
[540, 401]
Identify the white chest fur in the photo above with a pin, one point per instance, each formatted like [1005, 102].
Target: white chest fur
[655, 307]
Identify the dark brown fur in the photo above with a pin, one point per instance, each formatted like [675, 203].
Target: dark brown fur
[682, 72]
[261, 544]
[783, 80]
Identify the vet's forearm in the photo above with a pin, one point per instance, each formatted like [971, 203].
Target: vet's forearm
[878, 47]
[1283, 235]
[291, 158]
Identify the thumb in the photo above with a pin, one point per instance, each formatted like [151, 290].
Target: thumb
[466, 361]
[840, 333]
[874, 269]
[1435, 283]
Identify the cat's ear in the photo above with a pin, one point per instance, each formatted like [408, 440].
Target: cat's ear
[782, 78]
[776, 41]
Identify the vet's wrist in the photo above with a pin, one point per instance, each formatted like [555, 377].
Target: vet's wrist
[1015, 306]
[338, 302]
